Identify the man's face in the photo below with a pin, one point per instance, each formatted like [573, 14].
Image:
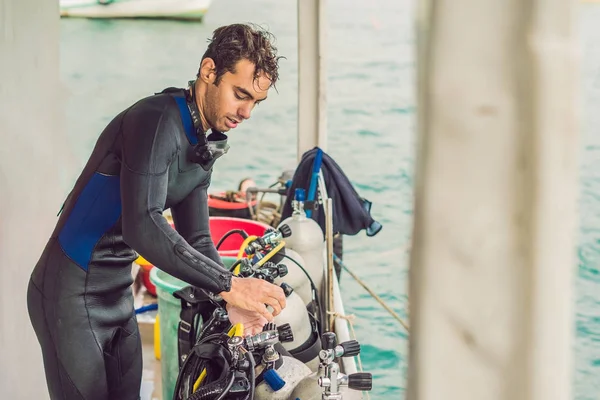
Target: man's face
[233, 99]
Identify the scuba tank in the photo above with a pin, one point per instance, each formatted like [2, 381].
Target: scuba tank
[278, 373]
[295, 277]
[328, 383]
[306, 344]
[306, 239]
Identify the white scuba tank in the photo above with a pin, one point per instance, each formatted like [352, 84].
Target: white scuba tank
[336, 384]
[280, 384]
[307, 239]
[295, 277]
[306, 341]
[308, 388]
[296, 315]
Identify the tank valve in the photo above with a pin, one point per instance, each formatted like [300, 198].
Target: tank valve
[350, 348]
[269, 326]
[287, 289]
[328, 341]
[298, 202]
[332, 379]
[332, 350]
[262, 340]
[282, 270]
[272, 237]
[285, 230]
[362, 381]
[234, 344]
[269, 272]
[270, 335]
[285, 333]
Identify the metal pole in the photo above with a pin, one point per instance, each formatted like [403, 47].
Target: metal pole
[312, 76]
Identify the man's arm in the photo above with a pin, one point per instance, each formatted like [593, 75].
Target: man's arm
[148, 150]
[192, 222]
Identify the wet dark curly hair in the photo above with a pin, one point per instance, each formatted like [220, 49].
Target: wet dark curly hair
[232, 43]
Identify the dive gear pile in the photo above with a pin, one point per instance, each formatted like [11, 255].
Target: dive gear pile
[292, 358]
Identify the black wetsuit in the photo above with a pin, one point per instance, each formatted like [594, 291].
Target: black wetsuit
[79, 297]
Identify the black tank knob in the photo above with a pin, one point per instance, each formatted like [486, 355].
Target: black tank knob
[351, 348]
[285, 333]
[328, 341]
[246, 271]
[285, 230]
[250, 250]
[269, 326]
[287, 289]
[282, 270]
[360, 381]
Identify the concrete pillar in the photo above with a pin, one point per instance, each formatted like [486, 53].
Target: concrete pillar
[32, 153]
[495, 210]
[312, 75]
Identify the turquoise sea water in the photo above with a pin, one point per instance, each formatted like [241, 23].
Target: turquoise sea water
[106, 65]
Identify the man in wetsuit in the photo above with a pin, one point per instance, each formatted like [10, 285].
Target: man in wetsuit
[152, 156]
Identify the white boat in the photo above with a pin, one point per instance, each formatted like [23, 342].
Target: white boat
[163, 9]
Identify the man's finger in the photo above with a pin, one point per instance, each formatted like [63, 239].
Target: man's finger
[280, 298]
[279, 295]
[262, 309]
[274, 303]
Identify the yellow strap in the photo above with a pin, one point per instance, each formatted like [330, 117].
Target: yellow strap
[270, 254]
[199, 380]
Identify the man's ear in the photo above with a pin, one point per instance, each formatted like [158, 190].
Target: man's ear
[208, 72]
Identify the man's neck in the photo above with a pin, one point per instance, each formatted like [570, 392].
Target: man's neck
[199, 96]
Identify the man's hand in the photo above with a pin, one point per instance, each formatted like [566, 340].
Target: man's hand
[252, 320]
[253, 294]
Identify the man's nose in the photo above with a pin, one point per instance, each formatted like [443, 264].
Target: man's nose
[245, 111]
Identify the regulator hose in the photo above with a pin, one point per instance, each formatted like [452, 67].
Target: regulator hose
[240, 232]
[214, 391]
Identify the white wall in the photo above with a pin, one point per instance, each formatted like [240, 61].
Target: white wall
[495, 222]
[33, 152]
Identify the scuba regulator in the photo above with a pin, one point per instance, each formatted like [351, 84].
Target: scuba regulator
[208, 149]
[223, 365]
